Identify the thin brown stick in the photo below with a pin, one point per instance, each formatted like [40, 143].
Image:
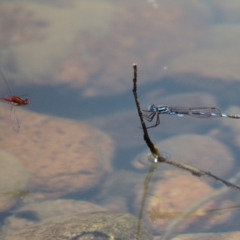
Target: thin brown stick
[152, 147]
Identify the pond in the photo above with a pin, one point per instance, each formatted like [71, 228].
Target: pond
[80, 148]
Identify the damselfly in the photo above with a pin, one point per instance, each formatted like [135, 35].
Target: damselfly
[14, 101]
[199, 112]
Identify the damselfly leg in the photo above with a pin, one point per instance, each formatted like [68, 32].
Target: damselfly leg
[150, 116]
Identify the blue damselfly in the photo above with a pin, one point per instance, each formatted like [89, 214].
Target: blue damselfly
[199, 112]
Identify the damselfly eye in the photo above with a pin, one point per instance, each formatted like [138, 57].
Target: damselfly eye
[152, 108]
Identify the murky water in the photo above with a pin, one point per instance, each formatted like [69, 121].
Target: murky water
[79, 138]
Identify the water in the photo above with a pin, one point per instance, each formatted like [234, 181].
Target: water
[82, 73]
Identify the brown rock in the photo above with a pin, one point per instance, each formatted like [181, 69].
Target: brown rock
[62, 156]
[100, 225]
[170, 194]
[37, 212]
[177, 21]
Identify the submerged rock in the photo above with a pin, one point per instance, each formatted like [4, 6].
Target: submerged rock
[101, 225]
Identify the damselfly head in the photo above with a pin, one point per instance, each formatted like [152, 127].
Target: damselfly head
[17, 101]
[25, 101]
[152, 108]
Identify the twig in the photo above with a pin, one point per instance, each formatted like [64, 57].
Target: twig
[197, 172]
[152, 147]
